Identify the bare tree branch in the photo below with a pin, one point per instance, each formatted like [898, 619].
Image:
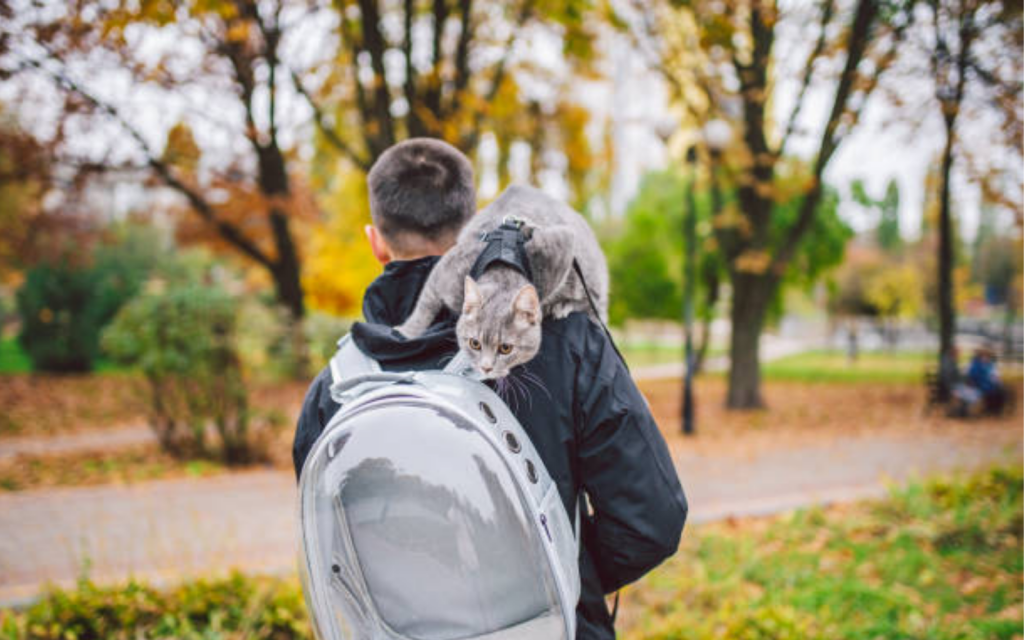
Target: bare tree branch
[805, 82]
[857, 43]
[329, 133]
[232, 234]
[526, 10]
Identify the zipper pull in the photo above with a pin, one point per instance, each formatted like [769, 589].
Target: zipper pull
[544, 523]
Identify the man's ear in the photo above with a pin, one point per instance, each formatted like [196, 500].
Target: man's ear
[526, 306]
[471, 298]
[381, 250]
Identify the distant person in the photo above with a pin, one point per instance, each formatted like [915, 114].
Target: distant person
[983, 376]
[852, 348]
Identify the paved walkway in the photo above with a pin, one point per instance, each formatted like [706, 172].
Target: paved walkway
[84, 442]
[166, 530]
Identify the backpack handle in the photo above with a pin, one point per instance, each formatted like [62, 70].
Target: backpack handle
[348, 388]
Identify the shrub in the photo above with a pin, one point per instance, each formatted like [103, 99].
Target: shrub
[61, 317]
[185, 341]
[65, 304]
[233, 608]
[322, 332]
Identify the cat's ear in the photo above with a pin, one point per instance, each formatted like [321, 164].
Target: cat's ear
[526, 306]
[471, 298]
[550, 250]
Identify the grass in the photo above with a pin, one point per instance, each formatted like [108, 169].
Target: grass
[13, 360]
[833, 366]
[937, 560]
[641, 354]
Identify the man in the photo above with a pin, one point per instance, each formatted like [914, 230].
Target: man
[983, 376]
[588, 421]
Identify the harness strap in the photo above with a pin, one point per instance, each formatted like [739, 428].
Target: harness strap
[505, 245]
[597, 314]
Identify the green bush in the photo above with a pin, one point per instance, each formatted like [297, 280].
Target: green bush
[322, 332]
[64, 305]
[185, 341]
[61, 317]
[234, 608]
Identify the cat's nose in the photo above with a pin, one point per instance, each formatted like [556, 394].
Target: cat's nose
[487, 369]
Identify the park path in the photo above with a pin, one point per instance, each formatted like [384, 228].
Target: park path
[103, 440]
[166, 530]
[85, 442]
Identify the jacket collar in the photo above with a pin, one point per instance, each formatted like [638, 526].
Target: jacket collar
[388, 301]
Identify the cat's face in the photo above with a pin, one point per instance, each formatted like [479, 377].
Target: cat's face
[500, 325]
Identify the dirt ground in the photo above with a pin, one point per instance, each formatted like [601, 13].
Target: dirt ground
[800, 414]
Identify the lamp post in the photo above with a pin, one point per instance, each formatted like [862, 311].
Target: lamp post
[716, 135]
[689, 269]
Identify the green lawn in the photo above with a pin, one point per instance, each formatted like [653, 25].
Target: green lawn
[940, 560]
[13, 359]
[833, 366]
[937, 561]
[642, 354]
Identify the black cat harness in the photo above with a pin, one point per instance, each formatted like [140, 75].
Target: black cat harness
[506, 246]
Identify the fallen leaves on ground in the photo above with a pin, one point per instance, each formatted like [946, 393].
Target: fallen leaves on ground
[939, 560]
[800, 413]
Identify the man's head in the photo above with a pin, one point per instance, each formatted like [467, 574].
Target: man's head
[421, 193]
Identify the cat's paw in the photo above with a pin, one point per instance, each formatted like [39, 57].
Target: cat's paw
[403, 330]
[559, 311]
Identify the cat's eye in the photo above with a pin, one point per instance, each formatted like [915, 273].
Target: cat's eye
[505, 348]
[474, 344]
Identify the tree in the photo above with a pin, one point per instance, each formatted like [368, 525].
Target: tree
[25, 177]
[645, 249]
[887, 229]
[141, 44]
[722, 60]
[975, 62]
[455, 69]
[222, 97]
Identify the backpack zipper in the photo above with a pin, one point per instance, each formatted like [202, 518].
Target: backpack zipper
[544, 523]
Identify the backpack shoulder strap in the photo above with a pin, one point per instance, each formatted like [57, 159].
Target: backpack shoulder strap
[349, 361]
[348, 365]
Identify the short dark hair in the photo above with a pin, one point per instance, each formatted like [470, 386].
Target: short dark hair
[422, 187]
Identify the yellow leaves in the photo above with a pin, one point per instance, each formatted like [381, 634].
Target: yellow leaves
[238, 31]
[896, 291]
[753, 261]
[731, 217]
[764, 189]
[339, 265]
[181, 150]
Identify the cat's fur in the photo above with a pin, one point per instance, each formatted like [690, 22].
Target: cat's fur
[503, 307]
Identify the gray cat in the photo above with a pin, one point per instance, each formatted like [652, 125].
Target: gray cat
[501, 312]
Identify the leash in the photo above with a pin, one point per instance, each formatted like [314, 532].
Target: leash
[597, 316]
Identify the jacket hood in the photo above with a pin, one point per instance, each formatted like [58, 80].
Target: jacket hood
[388, 301]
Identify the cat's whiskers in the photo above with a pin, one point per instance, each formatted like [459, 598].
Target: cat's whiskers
[532, 378]
[506, 391]
[520, 387]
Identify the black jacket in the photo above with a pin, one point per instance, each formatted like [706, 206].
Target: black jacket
[590, 425]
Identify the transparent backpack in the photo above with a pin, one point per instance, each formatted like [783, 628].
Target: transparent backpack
[426, 514]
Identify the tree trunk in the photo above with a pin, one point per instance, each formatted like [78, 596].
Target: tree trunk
[947, 313]
[750, 298]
